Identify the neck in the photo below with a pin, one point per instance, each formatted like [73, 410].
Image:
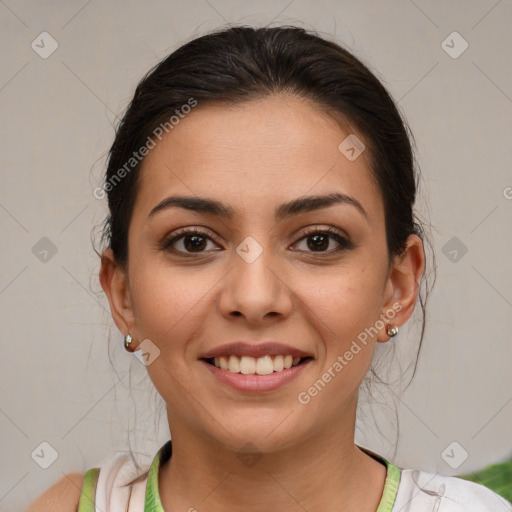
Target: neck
[325, 472]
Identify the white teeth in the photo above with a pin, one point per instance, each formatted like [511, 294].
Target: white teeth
[260, 366]
[234, 364]
[247, 365]
[278, 363]
[264, 365]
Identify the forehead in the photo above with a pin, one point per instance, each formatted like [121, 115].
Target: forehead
[255, 154]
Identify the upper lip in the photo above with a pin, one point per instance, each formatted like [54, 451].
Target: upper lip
[243, 348]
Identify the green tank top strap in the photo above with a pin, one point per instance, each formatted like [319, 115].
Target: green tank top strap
[390, 488]
[152, 502]
[86, 503]
[393, 476]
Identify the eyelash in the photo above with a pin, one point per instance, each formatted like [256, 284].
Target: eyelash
[345, 244]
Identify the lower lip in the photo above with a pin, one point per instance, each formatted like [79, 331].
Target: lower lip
[256, 383]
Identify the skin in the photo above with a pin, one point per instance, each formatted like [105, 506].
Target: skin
[253, 157]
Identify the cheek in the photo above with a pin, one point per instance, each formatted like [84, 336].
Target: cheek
[342, 311]
[343, 303]
[167, 304]
[170, 311]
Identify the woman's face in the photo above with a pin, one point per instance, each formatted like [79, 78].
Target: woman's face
[268, 273]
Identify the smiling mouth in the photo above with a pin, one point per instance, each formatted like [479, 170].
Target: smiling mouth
[248, 365]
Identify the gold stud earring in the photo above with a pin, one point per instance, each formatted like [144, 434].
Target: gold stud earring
[392, 330]
[127, 340]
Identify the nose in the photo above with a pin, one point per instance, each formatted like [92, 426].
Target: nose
[255, 289]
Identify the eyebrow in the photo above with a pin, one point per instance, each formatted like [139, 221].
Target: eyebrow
[294, 207]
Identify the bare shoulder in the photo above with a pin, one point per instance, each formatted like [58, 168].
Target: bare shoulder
[62, 496]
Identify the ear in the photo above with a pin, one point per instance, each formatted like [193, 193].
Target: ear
[115, 283]
[402, 286]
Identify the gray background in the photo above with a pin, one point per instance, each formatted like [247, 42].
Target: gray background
[58, 383]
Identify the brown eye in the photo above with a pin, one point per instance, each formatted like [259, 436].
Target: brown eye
[194, 242]
[187, 241]
[320, 240]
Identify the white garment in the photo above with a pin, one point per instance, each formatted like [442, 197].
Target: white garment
[110, 495]
[418, 491]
